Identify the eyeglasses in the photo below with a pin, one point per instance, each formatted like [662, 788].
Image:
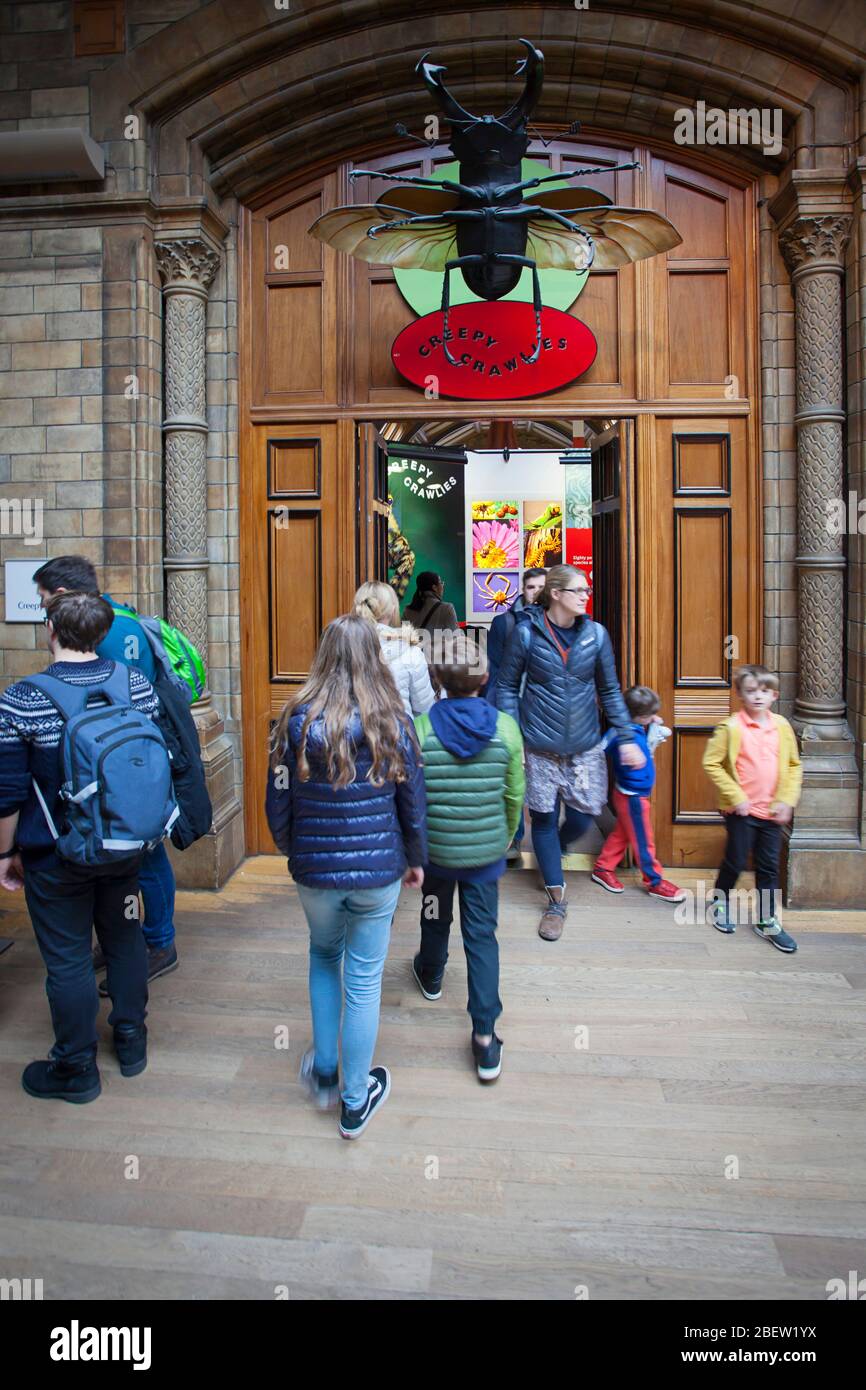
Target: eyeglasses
[584, 593]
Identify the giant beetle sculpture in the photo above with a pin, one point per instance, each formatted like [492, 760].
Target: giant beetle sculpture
[490, 217]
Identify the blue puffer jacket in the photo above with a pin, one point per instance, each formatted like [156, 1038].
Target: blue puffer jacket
[359, 836]
[557, 712]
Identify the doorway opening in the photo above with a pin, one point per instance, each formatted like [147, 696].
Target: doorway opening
[480, 503]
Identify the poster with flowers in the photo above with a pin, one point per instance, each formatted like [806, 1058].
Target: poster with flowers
[495, 535]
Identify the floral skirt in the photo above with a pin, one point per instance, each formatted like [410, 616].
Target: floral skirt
[580, 779]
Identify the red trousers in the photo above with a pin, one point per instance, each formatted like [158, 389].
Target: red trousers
[633, 829]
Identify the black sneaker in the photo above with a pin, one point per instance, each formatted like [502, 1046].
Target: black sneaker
[53, 1081]
[323, 1091]
[354, 1122]
[488, 1058]
[429, 986]
[159, 962]
[130, 1044]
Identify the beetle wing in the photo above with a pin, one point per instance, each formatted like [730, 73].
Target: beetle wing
[409, 248]
[621, 235]
[419, 200]
[572, 198]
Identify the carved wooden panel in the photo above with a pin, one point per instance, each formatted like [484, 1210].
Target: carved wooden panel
[702, 465]
[294, 609]
[598, 307]
[694, 796]
[703, 300]
[699, 344]
[702, 595]
[293, 337]
[701, 218]
[294, 468]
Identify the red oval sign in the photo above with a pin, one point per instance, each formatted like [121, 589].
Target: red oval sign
[492, 343]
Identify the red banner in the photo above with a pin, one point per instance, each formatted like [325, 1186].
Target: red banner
[492, 344]
[578, 551]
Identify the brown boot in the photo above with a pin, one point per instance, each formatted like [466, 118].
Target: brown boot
[551, 924]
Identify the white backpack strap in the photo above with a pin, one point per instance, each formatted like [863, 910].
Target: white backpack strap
[41, 799]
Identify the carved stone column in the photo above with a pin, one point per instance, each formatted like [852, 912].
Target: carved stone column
[825, 860]
[813, 248]
[187, 266]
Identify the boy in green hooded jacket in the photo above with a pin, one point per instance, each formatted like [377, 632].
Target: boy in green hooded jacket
[473, 774]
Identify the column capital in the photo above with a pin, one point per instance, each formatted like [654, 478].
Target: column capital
[189, 263]
[815, 241]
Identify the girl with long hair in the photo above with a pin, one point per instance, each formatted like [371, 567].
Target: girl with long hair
[345, 802]
[401, 645]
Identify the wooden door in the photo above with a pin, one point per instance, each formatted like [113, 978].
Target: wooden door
[613, 587]
[291, 532]
[373, 507]
[697, 610]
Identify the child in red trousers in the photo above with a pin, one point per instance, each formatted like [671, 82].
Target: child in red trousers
[631, 800]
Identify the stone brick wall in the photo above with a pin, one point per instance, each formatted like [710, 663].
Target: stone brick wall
[51, 402]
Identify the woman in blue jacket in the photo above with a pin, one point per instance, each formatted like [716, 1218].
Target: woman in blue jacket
[557, 667]
[346, 804]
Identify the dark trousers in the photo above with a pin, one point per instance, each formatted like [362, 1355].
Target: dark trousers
[763, 840]
[65, 904]
[479, 907]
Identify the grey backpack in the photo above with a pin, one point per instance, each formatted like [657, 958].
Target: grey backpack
[116, 784]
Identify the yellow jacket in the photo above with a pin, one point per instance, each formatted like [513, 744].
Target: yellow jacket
[720, 763]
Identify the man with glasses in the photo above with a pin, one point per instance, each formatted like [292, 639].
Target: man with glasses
[568, 664]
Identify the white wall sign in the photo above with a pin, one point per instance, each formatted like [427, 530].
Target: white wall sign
[22, 600]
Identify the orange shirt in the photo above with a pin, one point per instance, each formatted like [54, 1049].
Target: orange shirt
[758, 763]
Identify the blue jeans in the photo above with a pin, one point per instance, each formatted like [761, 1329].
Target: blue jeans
[479, 904]
[349, 934]
[550, 841]
[156, 882]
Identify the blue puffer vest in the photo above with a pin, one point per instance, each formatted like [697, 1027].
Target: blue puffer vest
[558, 711]
[359, 836]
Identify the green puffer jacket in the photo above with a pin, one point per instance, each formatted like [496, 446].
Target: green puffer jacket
[474, 803]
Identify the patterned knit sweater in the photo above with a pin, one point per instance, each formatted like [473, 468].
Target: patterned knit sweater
[30, 733]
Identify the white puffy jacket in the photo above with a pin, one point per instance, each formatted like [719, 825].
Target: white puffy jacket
[408, 667]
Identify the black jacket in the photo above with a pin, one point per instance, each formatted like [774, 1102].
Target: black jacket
[358, 836]
[558, 711]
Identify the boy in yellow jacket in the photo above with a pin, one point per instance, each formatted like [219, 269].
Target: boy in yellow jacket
[752, 760]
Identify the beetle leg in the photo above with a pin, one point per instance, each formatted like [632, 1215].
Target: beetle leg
[417, 181]
[536, 298]
[407, 221]
[549, 178]
[456, 264]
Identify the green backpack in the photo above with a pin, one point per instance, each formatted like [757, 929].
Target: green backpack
[173, 653]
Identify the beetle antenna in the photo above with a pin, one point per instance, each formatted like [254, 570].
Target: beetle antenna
[401, 129]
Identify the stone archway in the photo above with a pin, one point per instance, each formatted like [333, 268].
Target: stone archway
[235, 95]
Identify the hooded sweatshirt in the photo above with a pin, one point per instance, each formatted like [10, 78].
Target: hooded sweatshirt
[473, 776]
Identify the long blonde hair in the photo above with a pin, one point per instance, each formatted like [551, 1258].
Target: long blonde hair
[348, 674]
[558, 577]
[378, 603]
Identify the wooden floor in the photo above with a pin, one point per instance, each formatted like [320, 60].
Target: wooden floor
[598, 1168]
